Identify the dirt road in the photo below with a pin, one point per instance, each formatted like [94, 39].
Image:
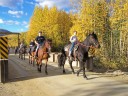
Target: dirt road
[24, 80]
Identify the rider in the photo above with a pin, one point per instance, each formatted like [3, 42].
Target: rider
[31, 45]
[21, 45]
[39, 41]
[73, 40]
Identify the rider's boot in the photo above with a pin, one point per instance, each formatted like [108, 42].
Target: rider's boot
[36, 54]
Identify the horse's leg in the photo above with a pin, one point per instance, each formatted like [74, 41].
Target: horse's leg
[63, 69]
[19, 55]
[40, 64]
[29, 59]
[40, 68]
[33, 60]
[84, 75]
[81, 64]
[63, 63]
[46, 67]
[37, 65]
[70, 62]
[24, 56]
[79, 71]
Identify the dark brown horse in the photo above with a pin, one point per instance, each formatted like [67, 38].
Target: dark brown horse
[43, 54]
[81, 54]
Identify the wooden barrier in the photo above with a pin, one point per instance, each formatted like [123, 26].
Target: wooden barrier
[3, 59]
[54, 56]
[89, 63]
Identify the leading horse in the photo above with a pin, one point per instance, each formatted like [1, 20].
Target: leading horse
[81, 54]
[43, 54]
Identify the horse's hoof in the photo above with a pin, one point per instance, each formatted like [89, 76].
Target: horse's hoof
[85, 77]
[77, 74]
[64, 72]
[73, 73]
[39, 71]
[46, 73]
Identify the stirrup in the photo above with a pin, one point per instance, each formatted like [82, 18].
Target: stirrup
[49, 56]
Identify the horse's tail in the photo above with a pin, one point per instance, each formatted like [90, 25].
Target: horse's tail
[61, 58]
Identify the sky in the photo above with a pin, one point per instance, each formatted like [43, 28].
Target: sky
[15, 14]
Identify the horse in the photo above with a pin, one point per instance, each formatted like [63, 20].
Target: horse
[22, 52]
[43, 54]
[32, 55]
[80, 54]
[16, 50]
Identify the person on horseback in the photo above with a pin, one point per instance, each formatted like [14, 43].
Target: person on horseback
[73, 40]
[21, 45]
[39, 42]
[31, 46]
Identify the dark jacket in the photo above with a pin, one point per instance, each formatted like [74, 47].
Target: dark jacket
[32, 44]
[40, 39]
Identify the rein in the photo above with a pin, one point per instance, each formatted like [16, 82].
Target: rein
[86, 45]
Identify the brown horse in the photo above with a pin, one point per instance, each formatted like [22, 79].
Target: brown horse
[43, 54]
[31, 56]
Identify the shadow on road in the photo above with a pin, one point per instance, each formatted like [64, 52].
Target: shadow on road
[20, 70]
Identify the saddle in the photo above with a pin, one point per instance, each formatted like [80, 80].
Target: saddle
[66, 48]
[44, 52]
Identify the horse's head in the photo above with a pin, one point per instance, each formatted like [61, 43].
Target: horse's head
[48, 44]
[93, 40]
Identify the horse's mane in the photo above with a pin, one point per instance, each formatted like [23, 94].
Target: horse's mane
[87, 38]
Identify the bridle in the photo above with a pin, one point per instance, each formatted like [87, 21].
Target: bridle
[89, 46]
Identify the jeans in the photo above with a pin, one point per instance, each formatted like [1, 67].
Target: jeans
[72, 46]
[38, 46]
